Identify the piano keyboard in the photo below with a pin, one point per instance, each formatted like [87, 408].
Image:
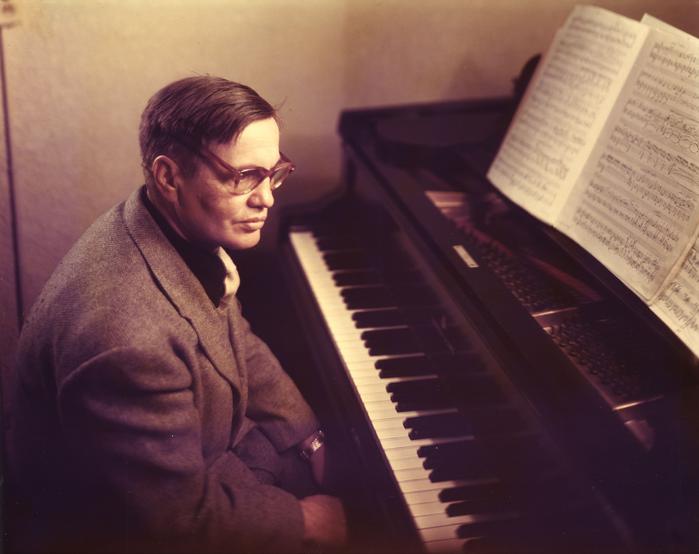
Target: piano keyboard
[421, 435]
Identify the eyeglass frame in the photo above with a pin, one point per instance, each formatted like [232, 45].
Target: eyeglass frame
[238, 174]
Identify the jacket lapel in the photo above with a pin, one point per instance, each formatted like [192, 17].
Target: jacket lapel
[182, 288]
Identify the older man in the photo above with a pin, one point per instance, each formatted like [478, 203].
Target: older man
[149, 417]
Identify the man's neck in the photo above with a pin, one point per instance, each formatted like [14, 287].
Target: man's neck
[206, 266]
[168, 214]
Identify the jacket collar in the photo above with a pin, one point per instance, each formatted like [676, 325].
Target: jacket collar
[206, 266]
[181, 287]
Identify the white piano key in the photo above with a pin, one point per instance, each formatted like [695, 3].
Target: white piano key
[419, 497]
[400, 441]
[407, 462]
[364, 384]
[435, 520]
[428, 508]
[378, 405]
[406, 452]
[427, 485]
[378, 414]
[444, 546]
[392, 433]
[440, 532]
[375, 395]
[427, 442]
[411, 474]
[392, 423]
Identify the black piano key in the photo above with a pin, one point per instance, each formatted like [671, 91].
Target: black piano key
[390, 342]
[415, 339]
[378, 318]
[478, 545]
[367, 297]
[452, 472]
[438, 433]
[446, 470]
[416, 390]
[479, 506]
[432, 403]
[492, 528]
[379, 337]
[394, 349]
[516, 535]
[398, 363]
[407, 369]
[438, 425]
[455, 449]
[350, 259]
[473, 491]
[358, 277]
[480, 466]
[338, 242]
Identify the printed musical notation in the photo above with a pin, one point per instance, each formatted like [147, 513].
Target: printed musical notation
[615, 240]
[565, 106]
[643, 175]
[675, 204]
[609, 31]
[634, 216]
[661, 92]
[678, 305]
[605, 148]
[655, 155]
[679, 61]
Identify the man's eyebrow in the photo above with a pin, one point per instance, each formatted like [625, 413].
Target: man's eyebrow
[254, 166]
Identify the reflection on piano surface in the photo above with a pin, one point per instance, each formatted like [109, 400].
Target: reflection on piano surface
[496, 388]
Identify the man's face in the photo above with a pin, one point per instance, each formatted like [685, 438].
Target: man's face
[206, 211]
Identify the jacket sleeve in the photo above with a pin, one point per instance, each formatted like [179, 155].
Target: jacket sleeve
[131, 422]
[274, 402]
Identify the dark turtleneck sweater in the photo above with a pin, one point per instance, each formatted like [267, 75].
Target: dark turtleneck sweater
[206, 266]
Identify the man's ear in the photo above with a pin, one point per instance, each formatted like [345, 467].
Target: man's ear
[166, 174]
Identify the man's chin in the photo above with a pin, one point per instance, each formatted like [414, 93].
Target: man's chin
[243, 242]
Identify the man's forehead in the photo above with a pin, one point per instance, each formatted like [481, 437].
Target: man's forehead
[257, 144]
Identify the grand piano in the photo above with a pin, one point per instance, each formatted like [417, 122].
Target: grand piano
[488, 385]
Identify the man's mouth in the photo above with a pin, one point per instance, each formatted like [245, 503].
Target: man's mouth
[253, 224]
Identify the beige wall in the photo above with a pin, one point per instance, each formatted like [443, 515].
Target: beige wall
[80, 71]
[416, 50]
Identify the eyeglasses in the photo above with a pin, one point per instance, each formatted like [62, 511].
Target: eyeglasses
[243, 181]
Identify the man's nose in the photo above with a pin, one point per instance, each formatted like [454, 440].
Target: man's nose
[262, 196]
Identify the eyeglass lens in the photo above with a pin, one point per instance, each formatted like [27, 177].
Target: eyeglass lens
[250, 179]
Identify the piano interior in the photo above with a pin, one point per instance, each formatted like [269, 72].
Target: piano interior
[486, 384]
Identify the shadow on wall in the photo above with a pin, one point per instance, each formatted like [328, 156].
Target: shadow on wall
[316, 178]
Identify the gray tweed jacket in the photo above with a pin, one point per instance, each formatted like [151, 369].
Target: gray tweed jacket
[132, 391]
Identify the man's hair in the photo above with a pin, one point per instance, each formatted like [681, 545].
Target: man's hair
[190, 113]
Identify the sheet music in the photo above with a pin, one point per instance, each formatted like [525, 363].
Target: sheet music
[564, 109]
[636, 206]
[678, 304]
